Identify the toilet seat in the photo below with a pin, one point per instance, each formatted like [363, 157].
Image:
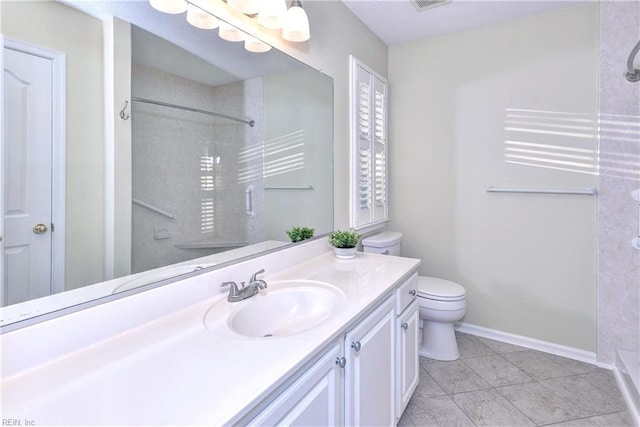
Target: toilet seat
[437, 289]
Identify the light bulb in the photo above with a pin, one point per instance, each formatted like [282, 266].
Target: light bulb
[201, 19]
[252, 44]
[272, 14]
[296, 24]
[169, 6]
[248, 7]
[230, 33]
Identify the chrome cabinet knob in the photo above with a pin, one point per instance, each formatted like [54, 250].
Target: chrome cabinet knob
[40, 228]
[404, 325]
[412, 292]
[341, 361]
[356, 345]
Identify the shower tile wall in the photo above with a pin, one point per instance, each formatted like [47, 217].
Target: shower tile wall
[187, 164]
[618, 321]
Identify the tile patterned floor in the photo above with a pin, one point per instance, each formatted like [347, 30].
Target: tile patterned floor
[499, 384]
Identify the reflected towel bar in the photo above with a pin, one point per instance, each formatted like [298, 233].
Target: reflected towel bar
[290, 187]
[251, 123]
[578, 192]
[172, 217]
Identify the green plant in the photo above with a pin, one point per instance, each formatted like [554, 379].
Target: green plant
[298, 234]
[344, 238]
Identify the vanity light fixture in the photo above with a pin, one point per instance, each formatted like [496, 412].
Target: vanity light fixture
[201, 19]
[230, 33]
[169, 6]
[296, 23]
[270, 14]
[252, 44]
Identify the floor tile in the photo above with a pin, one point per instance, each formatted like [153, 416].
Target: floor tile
[616, 419]
[427, 387]
[405, 420]
[497, 371]
[579, 392]
[437, 411]
[425, 360]
[573, 366]
[490, 408]
[540, 405]
[469, 346]
[536, 364]
[582, 422]
[455, 377]
[605, 381]
[499, 346]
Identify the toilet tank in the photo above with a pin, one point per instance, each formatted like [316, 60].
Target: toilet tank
[387, 243]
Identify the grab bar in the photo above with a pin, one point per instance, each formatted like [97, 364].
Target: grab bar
[248, 201]
[580, 192]
[633, 74]
[171, 216]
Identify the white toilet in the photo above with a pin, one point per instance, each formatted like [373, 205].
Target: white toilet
[442, 302]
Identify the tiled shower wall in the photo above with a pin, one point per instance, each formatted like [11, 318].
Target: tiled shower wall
[618, 319]
[190, 165]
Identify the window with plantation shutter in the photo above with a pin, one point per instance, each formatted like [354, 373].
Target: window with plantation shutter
[368, 116]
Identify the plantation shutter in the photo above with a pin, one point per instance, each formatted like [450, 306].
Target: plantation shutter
[368, 146]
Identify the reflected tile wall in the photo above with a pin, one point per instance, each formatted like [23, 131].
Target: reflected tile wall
[618, 318]
[187, 164]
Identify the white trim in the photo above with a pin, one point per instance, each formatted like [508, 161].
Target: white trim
[58, 184]
[2, 173]
[634, 411]
[627, 376]
[532, 343]
[109, 150]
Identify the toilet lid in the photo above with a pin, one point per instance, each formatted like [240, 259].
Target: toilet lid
[439, 289]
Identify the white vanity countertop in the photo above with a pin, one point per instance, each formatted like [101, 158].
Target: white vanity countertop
[175, 371]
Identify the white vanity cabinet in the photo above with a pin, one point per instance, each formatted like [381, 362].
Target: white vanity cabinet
[365, 379]
[407, 325]
[370, 371]
[315, 398]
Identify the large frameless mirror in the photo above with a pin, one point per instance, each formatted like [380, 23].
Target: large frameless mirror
[168, 149]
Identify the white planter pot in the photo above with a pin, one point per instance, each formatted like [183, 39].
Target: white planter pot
[345, 253]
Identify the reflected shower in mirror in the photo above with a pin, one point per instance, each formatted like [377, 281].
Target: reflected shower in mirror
[216, 152]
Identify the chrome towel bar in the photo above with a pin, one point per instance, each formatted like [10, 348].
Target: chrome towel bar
[578, 192]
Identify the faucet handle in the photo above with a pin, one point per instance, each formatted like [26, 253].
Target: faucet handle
[254, 276]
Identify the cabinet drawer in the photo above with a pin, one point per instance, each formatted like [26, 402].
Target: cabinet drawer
[406, 293]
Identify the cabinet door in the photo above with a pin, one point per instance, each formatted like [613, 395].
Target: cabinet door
[408, 368]
[315, 399]
[370, 369]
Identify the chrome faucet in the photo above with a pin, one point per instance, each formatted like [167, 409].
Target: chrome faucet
[243, 292]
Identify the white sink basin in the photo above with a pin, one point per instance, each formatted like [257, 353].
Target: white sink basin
[285, 308]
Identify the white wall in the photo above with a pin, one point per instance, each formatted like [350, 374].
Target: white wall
[39, 23]
[513, 105]
[304, 98]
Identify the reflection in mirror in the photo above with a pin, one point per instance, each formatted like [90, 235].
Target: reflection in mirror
[215, 153]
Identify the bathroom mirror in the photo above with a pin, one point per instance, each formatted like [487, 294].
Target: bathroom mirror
[178, 189]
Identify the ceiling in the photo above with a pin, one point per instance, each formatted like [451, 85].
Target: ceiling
[399, 21]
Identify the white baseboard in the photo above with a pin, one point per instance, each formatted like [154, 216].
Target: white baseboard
[634, 411]
[532, 343]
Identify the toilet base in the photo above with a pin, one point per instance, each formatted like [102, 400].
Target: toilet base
[438, 341]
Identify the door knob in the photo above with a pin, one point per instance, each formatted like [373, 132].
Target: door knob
[341, 361]
[404, 325]
[356, 345]
[40, 228]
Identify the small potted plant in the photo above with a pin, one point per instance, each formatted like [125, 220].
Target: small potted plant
[344, 243]
[298, 234]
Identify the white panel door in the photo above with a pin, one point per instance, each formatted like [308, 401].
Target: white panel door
[27, 180]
